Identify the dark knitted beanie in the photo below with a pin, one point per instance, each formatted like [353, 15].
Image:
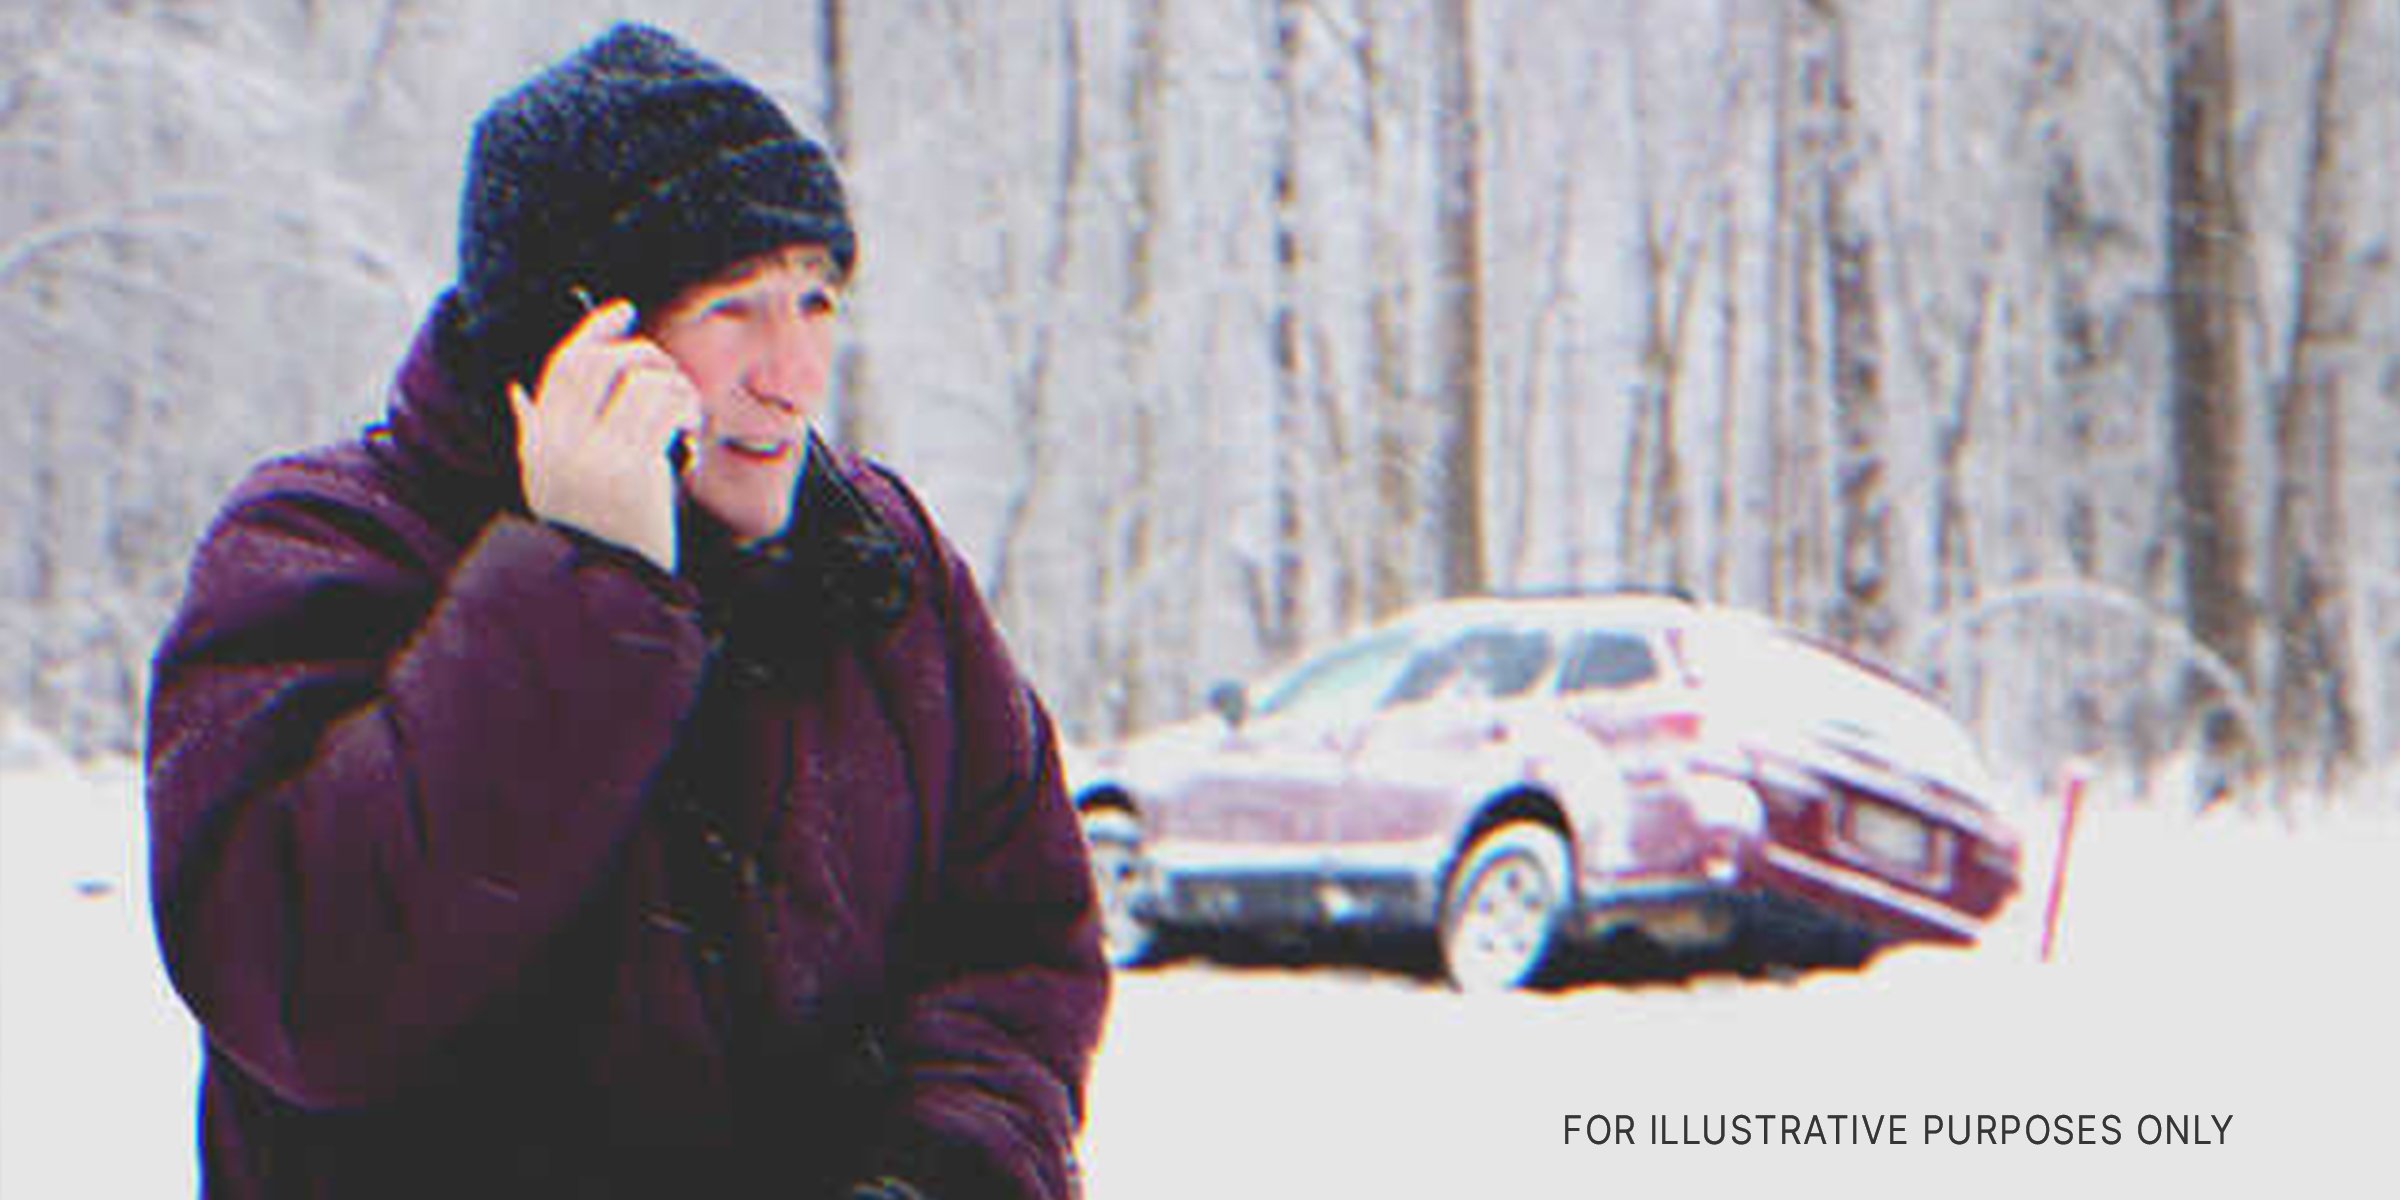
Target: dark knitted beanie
[633, 167]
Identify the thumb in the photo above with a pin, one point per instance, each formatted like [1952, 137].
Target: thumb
[520, 406]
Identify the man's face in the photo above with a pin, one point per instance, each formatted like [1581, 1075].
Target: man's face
[757, 343]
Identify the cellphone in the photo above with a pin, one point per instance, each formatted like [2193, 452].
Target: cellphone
[679, 451]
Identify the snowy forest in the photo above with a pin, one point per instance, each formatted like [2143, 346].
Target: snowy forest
[2046, 351]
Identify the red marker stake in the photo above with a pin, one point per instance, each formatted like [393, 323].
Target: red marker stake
[2071, 804]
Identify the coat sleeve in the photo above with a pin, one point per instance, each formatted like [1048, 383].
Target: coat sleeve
[375, 791]
[996, 1037]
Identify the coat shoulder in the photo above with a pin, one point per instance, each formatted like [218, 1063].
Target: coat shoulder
[338, 494]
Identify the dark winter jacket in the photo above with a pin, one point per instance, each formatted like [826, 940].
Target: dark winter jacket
[496, 861]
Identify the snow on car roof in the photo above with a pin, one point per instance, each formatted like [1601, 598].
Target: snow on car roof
[1645, 609]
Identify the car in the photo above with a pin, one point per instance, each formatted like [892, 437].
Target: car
[1517, 775]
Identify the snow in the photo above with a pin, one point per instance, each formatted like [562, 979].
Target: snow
[98, 1060]
[2238, 966]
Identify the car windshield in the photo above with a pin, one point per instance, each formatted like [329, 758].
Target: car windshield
[1354, 674]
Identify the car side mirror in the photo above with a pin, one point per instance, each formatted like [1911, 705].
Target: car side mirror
[1228, 699]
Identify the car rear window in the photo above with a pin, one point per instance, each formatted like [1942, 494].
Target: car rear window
[1607, 659]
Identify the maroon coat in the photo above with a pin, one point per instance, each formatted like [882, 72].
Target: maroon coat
[495, 861]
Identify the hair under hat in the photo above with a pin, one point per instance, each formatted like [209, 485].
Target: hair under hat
[633, 167]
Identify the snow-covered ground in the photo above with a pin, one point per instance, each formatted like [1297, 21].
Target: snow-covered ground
[2237, 968]
[97, 1057]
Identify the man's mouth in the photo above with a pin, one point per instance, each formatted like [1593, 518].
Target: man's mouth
[766, 449]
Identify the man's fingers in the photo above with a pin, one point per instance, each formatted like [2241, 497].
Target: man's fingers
[607, 323]
[653, 404]
[583, 381]
[577, 369]
[629, 359]
[633, 352]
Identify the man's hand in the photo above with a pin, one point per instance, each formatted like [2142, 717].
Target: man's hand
[592, 440]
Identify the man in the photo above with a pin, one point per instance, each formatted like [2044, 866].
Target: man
[590, 784]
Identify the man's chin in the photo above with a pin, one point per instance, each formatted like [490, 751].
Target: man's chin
[744, 524]
[758, 527]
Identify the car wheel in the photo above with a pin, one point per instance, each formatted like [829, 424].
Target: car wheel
[1119, 873]
[1502, 909]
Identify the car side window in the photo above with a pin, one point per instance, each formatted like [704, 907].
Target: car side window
[1481, 664]
[1606, 660]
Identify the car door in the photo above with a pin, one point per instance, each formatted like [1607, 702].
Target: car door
[1438, 738]
[1261, 797]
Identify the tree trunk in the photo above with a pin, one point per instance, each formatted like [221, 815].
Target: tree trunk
[1652, 532]
[2204, 284]
[1725, 520]
[1030, 384]
[857, 424]
[1554, 307]
[2070, 250]
[2314, 711]
[1776, 324]
[1864, 615]
[1392, 406]
[1799, 469]
[1130, 621]
[1281, 631]
[1458, 325]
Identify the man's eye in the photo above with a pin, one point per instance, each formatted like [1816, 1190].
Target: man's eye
[730, 306]
[818, 304]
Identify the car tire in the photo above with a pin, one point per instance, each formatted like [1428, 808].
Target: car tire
[1119, 873]
[1503, 907]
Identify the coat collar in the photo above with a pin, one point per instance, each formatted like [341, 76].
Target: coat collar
[455, 451]
[837, 567]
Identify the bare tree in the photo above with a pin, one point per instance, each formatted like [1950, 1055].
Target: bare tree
[1805, 123]
[1276, 600]
[1728, 522]
[857, 424]
[1117, 250]
[1391, 388]
[1652, 532]
[1864, 614]
[1131, 571]
[2205, 274]
[2314, 720]
[1034, 330]
[2077, 367]
[1457, 279]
